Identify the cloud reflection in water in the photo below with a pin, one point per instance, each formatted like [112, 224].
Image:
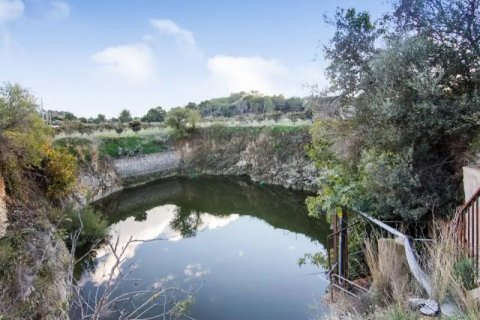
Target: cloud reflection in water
[163, 222]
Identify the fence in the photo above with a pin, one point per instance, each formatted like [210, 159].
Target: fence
[337, 250]
[466, 226]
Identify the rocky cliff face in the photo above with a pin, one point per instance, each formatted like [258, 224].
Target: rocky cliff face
[3, 209]
[275, 157]
[96, 182]
[266, 155]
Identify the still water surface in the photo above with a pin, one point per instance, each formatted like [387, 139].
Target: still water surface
[235, 242]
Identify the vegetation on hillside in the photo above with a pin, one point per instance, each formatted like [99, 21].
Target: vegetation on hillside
[407, 110]
[406, 114]
[248, 102]
[182, 120]
[37, 178]
[27, 159]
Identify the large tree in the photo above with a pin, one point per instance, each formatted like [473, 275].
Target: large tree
[154, 115]
[182, 120]
[125, 116]
[408, 111]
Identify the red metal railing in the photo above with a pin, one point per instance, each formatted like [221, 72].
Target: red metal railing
[466, 227]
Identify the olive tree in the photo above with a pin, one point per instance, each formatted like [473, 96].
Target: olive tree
[182, 120]
[408, 113]
[125, 116]
[154, 115]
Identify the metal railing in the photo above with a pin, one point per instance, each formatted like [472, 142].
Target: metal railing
[338, 257]
[337, 251]
[466, 227]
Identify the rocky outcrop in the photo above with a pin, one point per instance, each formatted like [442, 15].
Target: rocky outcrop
[3, 209]
[268, 156]
[161, 165]
[46, 277]
[264, 155]
[96, 182]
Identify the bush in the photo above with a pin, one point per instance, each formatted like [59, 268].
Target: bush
[60, 170]
[81, 148]
[182, 120]
[23, 136]
[135, 125]
[464, 271]
[94, 227]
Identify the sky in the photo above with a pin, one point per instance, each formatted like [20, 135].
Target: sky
[102, 56]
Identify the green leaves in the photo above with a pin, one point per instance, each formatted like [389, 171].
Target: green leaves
[408, 111]
[349, 51]
[182, 120]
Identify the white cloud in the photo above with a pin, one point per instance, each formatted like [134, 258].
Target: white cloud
[247, 73]
[137, 62]
[59, 10]
[5, 42]
[195, 271]
[11, 10]
[133, 62]
[157, 225]
[170, 28]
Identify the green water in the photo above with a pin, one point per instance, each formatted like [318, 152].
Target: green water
[233, 242]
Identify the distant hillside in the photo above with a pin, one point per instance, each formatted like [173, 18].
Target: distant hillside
[249, 102]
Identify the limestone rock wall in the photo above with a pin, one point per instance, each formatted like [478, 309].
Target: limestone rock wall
[268, 156]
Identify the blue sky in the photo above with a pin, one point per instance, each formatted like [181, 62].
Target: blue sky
[93, 56]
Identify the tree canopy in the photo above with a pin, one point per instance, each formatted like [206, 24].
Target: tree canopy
[248, 102]
[182, 120]
[154, 115]
[408, 109]
[125, 116]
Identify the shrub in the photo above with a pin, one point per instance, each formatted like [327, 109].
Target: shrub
[22, 136]
[83, 149]
[182, 120]
[60, 170]
[93, 227]
[135, 125]
[464, 271]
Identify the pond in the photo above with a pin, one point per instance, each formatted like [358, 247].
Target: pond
[232, 243]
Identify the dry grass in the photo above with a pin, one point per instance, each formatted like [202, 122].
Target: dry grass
[392, 284]
[391, 280]
[447, 286]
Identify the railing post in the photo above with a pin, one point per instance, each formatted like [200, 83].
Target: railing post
[335, 243]
[343, 254]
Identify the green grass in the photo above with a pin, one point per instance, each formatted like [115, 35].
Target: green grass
[289, 128]
[7, 257]
[71, 144]
[131, 145]
[81, 148]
